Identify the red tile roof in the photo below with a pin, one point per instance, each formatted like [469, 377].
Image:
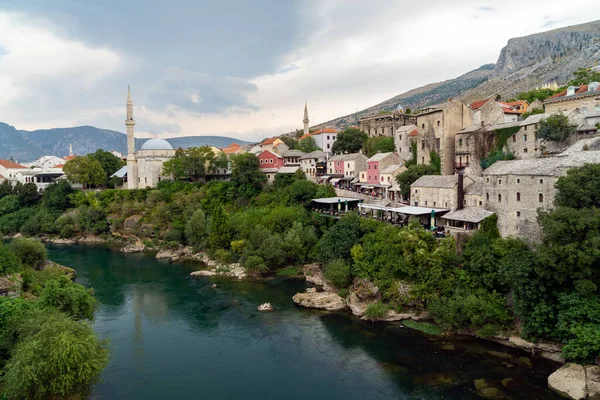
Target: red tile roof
[516, 103]
[582, 89]
[326, 130]
[478, 104]
[304, 136]
[234, 146]
[511, 111]
[59, 166]
[559, 94]
[10, 164]
[413, 133]
[69, 158]
[269, 140]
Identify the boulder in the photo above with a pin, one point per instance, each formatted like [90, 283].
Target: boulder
[131, 223]
[204, 273]
[232, 270]
[265, 307]
[135, 247]
[592, 374]
[321, 300]
[169, 254]
[569, 382]
[365, 289]
[311, 290]
[396, 316]
[357, 306]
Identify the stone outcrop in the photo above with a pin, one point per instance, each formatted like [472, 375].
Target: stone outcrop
[214, 268]
[569, 382]
[131, 223]
[362, 293]
[396, 316]
[314, 274]
[265, 307]
[136, 247]
[321, 300]
[592, 380]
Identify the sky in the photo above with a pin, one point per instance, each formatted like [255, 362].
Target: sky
[243, 68]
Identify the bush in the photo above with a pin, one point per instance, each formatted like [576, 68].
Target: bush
[31, 252]
[73, 300]
[9, 262]
[254, 264]
[424, 327]
[338, 273]
[585, 345]
[471, 310]
[55, 357]
[376, 310]
[35, 281]
[9, 204]
[223, 256]
[12, 223]
[173, 235]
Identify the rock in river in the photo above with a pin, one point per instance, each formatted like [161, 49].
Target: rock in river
[265, 307]
[321, 300]
[569, 382]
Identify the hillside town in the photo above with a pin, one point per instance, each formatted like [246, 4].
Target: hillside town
[466, 190]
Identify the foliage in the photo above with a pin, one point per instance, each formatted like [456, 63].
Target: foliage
[247, 176]
[85, 170]
[219, 230]
[339, 239]
[289, 271]
[380, 144]
[435, 161]
[9, 262]
[9, 204]
[412, 173]
[424, 327]
[28, 193]
[196, 228]
[41, 222]
[536, 94]
[501, 136]
[350, 140]
[65, 296]
[556, 127]
[376, 310]
[12, 223]
[471, 310]
[190, 164]
[338, 273]
[254, 264]
[307, 145]
[109, 162]
[57, 356]
[583, 76]
[57, 196]
[31, 252]
[413, 155]
[289, 141]
[580, 188]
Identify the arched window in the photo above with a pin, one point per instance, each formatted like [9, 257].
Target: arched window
[518, 196]
[499, 198]
[540, 198]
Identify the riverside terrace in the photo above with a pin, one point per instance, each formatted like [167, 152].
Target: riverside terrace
[335, 205]
[399, 216]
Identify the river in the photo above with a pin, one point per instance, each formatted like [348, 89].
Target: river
[173, 336]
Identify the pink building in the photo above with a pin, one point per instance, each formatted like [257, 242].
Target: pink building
[377, 163]
[268, 159]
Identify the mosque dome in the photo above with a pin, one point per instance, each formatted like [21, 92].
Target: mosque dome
[157, 144]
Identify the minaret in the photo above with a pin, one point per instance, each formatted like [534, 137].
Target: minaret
[305, 120]
[71, 150]
[132, 176]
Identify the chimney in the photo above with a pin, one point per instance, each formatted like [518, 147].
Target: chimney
[450, 99]
[461, 191]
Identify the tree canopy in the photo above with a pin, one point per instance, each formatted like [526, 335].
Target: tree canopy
[412, 173]
[350, 140]
[193, 163]
[556, 128]
[583, 76]
[307, 145]
[85, 170]
[109, 162]
[246, 175]
[382, 144]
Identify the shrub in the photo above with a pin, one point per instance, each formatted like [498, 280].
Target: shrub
[585, 345]
[56, 357]
[376, 310]
[424, 327]
[223, 256]
[338, 273]
[73, 300]
[31, 252]
[254, 264]
[9, 262]
[12, 223]
[9, 204]
[196, 228]
[173, 235]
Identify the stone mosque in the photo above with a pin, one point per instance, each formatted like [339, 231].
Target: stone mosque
[144, 167]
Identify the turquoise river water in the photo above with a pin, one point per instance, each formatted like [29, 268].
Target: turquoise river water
[175, 337]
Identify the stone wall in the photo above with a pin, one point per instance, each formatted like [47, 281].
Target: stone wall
[434, 197]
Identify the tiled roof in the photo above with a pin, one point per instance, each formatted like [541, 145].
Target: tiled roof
[390, 169]
[287, 170]
[10, 164]
[478, 104]
[270, 140]
[516, 103]
[69, 158]
[406, 128]
[59, 166]
[550, 166]
[468, 214]
[317, 154]
[510, 111]
[305, 136]
[583, 89]
[324, 130]
[234, 146]
[270, 152]
[476, 188]
[436, 181]
[293, 153]
[346, 157]
[379, 157]
[269, 170]
[229, 150]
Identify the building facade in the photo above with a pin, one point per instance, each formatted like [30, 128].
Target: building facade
[268, 159]
[404, 137]
[585, 98]
[385, 124]
[378, 163]
[439, 191]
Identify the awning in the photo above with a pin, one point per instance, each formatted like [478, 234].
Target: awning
[346, 178]
[367, 187]
[120, 173]
[335, 180]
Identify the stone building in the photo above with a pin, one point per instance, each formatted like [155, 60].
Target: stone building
[439, 191]
[292, 157]
[378, 163]
[437, 127]
[585, 98]
[515, 190]
[404, 137]
[347, 165]
[314, 164]
[474, 193]
[385, 124]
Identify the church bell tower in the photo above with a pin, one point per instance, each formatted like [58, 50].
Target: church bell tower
[132, 175]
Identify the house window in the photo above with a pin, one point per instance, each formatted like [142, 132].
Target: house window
[423, 126]
[499, 198]
[480, 202]
[541, 181]
[518, 196]
[499, 181]
[327, 137]
[438, 123]
[518, 214]
[416, 191]
[422, 145]
[434, 203]
[540, 198]
[514, 138]
[348, 165]
[437, 143]
[525, 127]
[488, 180]
[524, 138]
[425, 202]
[525, 150]
[328, 145]
[271, 161]
[382, 179]
[487, 197]
[422, 160]
[261, 161]
[518, 180]
[460, 142]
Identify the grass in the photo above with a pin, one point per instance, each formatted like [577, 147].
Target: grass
[376, 310]
[424, 327]
[289, 271]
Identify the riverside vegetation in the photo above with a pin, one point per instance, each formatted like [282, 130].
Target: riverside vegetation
[48, 348]
[491, 285]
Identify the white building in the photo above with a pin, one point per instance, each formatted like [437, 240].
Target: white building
[324, 138]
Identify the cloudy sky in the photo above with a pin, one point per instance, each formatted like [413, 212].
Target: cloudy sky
[243, 68]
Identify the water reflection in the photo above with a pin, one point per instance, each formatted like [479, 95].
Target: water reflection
[174, 336]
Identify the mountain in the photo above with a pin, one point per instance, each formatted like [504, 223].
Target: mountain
[27, 146]
[523, 64]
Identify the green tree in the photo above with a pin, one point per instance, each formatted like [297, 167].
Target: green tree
[339, 239]
[196, 228]
[307, 145]
[9, 262]
[28, 194]
[109, 162]
[381, 144]
[6, 188]
[189, 164]
[85, 170]
[57, 196]
[583, 76]
[219, 229]
[350, 140]
[9, 204]
[537, 94]
[289, 141]
[65, 296]
[246, 175]
[556, 128]
[580, 188]
[55, 357]
[414, 172]
[338, 273]
[31, 252]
